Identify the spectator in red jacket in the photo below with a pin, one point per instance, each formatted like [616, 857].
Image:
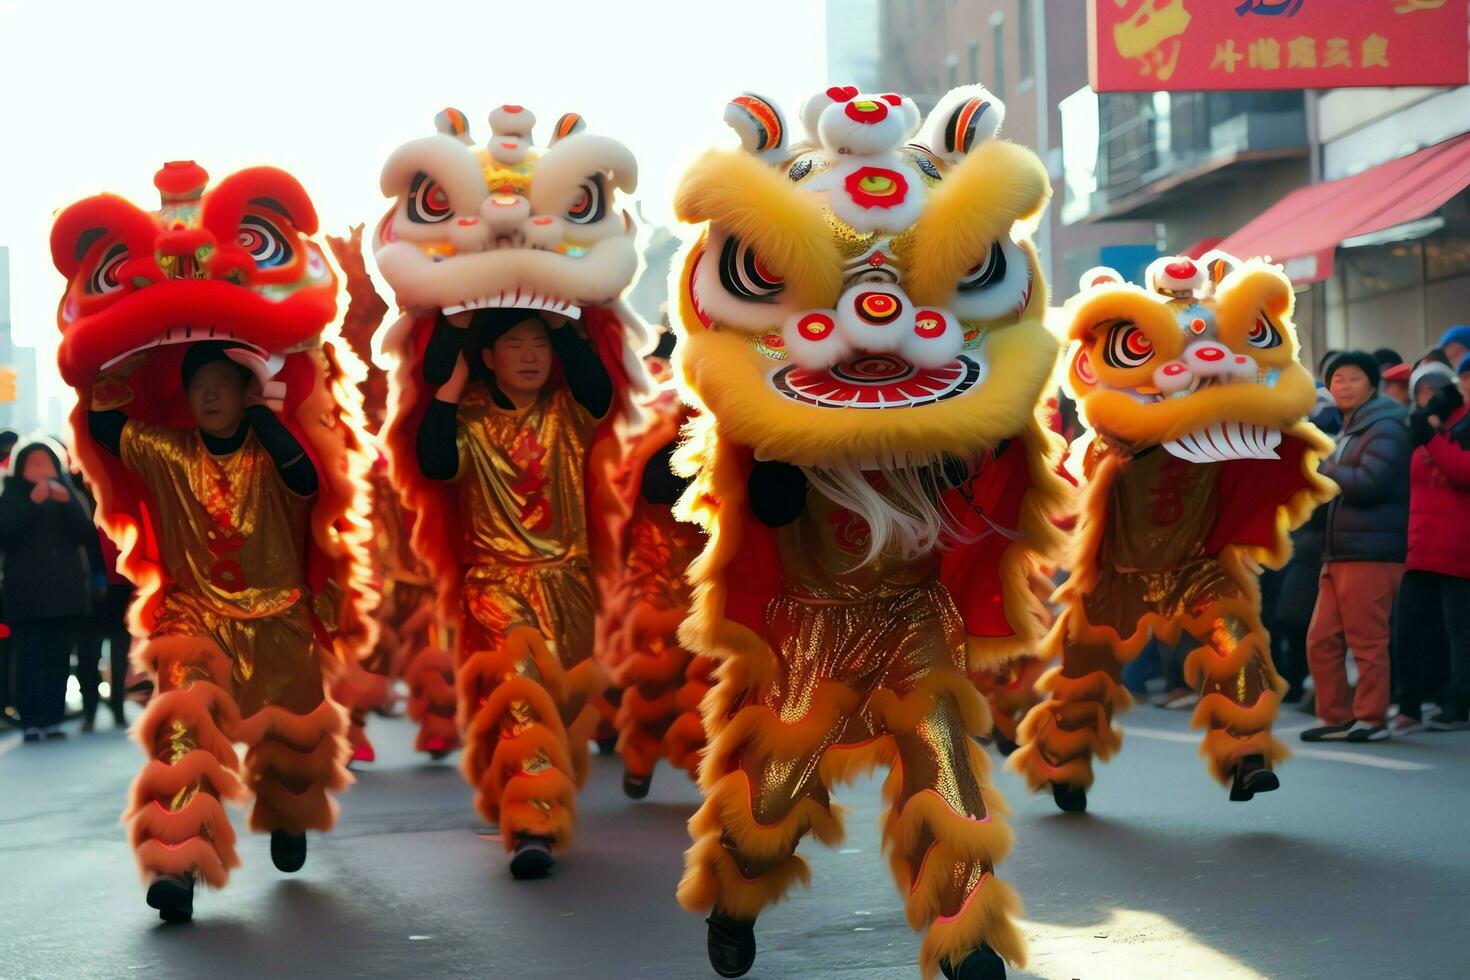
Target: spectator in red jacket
[1434, 599]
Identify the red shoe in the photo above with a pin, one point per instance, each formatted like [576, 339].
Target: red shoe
[364, 753]
[438, 746]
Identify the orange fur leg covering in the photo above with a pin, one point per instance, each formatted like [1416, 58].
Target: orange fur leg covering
[518, 755]
[359, 691]
[766, 787]
[1240, 693]
[176, 824]
[945, 832]
[295, 762]
[431, 698]
[1060, 736]
[662, 687]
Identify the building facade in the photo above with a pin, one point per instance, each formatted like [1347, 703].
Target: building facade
[19, 415]
[1136, 175]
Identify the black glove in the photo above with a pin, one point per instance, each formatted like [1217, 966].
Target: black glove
[1420, 431]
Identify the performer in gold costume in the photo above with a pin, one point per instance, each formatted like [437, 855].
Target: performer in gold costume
[233, 501]
[517, 444]
[660, 681]
[861, 331]
[216, 422]
[505, 456]
[1202, 461]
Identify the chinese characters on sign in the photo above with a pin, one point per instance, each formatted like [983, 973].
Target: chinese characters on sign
[1143, 45]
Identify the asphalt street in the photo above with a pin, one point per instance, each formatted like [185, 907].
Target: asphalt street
[1358, 867]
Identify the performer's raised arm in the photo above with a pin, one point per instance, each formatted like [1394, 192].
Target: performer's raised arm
[586, 375]
[295, 467]
[438, 451]
[661, 485]
[107, 428]
[777, 492]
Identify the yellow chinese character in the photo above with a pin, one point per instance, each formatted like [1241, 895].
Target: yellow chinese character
[1338, 55]
[1409, 6]
[1226, 56]
[1265, 52]
[1301, 52]
[1375, 51]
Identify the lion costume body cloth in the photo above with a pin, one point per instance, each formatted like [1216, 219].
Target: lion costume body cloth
[409, 632]
[248, 594]
[1201, 465]
[514, 538]
[662, 682]
[861, 332]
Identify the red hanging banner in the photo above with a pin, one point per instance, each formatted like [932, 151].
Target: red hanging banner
[1201, 45]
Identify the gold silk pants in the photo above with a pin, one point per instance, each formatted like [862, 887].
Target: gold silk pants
[859, 683]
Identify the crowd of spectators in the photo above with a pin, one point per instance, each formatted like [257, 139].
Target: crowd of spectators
[61, 599]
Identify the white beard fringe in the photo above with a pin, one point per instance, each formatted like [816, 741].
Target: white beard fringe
[909, 514]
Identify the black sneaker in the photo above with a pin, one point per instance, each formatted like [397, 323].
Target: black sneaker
[288, 853]
[1069, 798]
[532, 858]
[607, 746]
[55, 735]
[1439, 723]
[636, 787]
[1361, 731]
[731, 945]
[983, 963]
[1252, 777]
[1004, 745]
[173, 896]
[32, 735]
[1328, 733]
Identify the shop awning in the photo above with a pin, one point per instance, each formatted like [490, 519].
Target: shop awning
[1304, 228]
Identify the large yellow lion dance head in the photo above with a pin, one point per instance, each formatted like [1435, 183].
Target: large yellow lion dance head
[858, 296]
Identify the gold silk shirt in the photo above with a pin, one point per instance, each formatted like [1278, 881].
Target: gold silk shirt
[1160, 513]
[1160, 510]
[823, 555]
[232, 535]
[522, 477]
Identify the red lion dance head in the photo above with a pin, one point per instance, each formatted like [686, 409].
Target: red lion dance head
[231, 263]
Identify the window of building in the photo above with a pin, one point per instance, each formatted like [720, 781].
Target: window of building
[998, 59]
[975, 62]
[1023, 38]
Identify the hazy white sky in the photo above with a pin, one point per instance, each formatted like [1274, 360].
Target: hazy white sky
[96, 94]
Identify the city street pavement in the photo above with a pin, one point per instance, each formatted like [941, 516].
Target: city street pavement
[1358, 867]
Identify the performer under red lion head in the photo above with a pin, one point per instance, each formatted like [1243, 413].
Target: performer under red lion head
[233, 263]
[252, 587]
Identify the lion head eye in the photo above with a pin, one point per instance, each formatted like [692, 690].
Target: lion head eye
[428, 202]
[1127, 346]
[266, 244]
[590, 206]
[103, 279]
[1263, 334]
[744, 276]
